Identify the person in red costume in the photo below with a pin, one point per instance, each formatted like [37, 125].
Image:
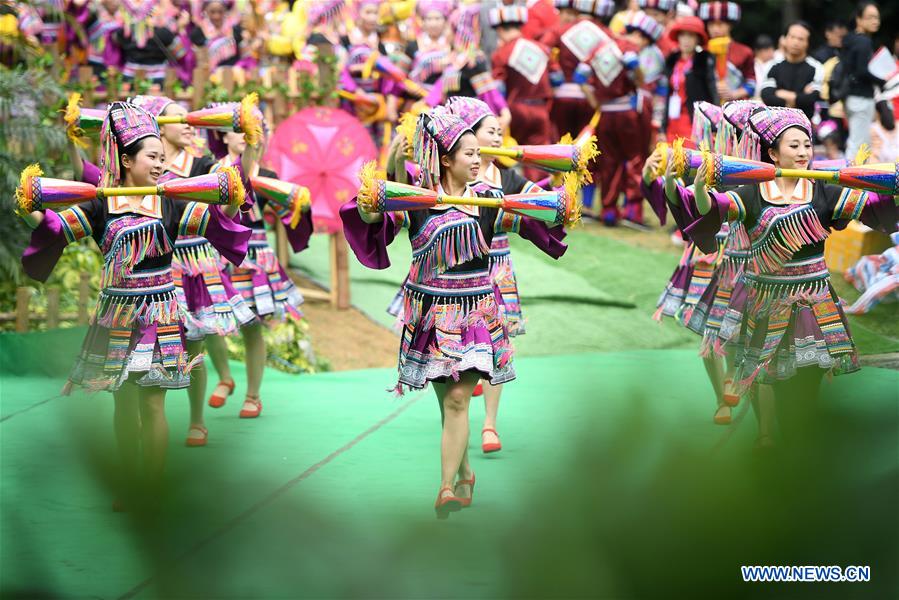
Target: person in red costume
[542, 17]
[610, 77]
[691, 77]
[522, 67]
[570, 111]
[736, 69]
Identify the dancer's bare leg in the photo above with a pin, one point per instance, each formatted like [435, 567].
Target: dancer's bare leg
[765, 414]
[491, 408]
[455, 401]
[217, 348]
[154, 433]
[714, 368]
[126, 422]
[196, 392]
[255, 356]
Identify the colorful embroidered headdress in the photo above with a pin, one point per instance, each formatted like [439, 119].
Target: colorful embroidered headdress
[435, 131]
[719, 11]
[706, 118]
[124, 125]
[735, 136]
[508, 15]
[444, 7]
[155, 105]
[640, 21]
[663, 5]
[771, 121]
[603, 8]
[470, 110]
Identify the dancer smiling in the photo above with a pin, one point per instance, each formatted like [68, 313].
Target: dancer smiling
[453, 332]
[136, 345]
[793, 330]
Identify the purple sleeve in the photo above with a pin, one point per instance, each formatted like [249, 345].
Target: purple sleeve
[369, 241]
[704, 228]
[230, 238]
[546, 239]
[90, 173]
[112, 53]
[494, 100]
[880, 213]
[346, 81]
[47, 243]
[655, 195]
[435, 95]
[298, 237]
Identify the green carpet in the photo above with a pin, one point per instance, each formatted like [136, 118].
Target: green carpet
[599, 297]
[612, 483]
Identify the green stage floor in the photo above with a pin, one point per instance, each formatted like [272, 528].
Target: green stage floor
[612, 483]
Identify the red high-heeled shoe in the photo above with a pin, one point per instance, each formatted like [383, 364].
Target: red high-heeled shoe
[218, 401]
[447, 504]
[466, 502]
[724, 418]
[492, 446]
[252, 407]
[200, 440]
[730, 398]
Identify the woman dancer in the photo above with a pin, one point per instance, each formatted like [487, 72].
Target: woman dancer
[696, 269]
[135, 347]
[260, 279]
[213, 306]
[793, 329]
[478, 116]
[453, 331]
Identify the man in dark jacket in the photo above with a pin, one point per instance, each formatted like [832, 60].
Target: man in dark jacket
[795, 79]
[857, 52]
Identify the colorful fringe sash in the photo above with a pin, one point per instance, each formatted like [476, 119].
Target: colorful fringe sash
[447, 240]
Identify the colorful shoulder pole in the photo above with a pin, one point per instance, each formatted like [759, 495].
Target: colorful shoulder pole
[557, 158]
[36, 192]
[722, 170]
[881, 178]
[558, 207]
[241, 117]
[288, 197]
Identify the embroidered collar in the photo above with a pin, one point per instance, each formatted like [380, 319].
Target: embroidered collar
[181, 164]
[802, 193]
[468, 210]
[150, 206]
[492, 176]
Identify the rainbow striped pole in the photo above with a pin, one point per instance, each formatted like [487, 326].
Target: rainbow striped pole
[880, 178]
[36, 192]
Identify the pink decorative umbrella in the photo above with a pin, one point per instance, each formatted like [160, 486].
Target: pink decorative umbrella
[322, 149]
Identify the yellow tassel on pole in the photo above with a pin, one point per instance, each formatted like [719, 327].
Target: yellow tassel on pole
[303, 200]
[862, 156]
[23, 194]
[71, 115]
